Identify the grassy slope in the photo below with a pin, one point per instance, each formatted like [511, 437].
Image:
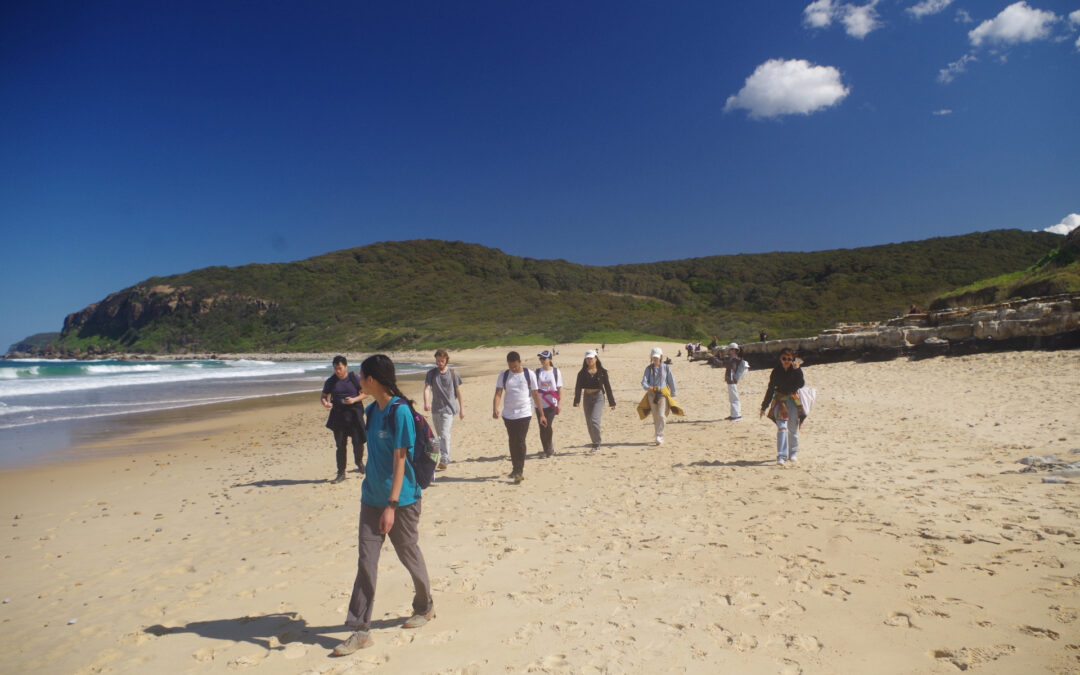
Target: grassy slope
[424, 293]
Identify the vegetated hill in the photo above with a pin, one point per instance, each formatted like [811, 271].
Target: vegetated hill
[1056, 272]
[427, 292]
[34, 342]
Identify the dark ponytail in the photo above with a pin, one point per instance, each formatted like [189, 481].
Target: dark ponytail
[380, 368]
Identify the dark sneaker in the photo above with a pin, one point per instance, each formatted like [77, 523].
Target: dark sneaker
[340, 477]
[361, 639]
[418, 620]
[518, 478]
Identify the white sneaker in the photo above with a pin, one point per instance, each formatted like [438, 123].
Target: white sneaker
[780, 462]
[793, 458]
[659, 440]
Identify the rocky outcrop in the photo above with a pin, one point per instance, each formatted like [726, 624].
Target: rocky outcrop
[1034, 323]
[120, 316]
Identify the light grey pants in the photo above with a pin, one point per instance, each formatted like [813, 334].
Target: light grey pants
[594, 409]
[442, 423]
[733, 398]
[405, 537]
[659, 407]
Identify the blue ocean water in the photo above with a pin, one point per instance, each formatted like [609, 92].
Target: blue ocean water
[42, 401]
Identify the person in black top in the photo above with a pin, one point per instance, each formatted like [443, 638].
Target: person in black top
[341, 395]
[592, 381]
[784, 406]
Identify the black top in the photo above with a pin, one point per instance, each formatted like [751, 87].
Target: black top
[783, 382]
[587, 380]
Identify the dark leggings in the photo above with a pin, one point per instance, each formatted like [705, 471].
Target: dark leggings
[545, 431]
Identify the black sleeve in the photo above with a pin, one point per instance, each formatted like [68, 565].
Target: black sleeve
[769, 391]
[577, 387]
[607, 390]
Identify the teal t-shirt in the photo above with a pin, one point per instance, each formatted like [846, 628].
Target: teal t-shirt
[384, 435]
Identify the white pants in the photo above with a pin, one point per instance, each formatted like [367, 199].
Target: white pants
[733, 398]
[659, 411]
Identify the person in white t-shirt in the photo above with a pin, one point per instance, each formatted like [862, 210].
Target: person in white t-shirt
[518, 387]
[549, 385]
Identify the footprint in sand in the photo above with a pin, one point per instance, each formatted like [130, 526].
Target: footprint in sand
[789, 667]
[443, 637]
[899, 620]
[964, 658]
[1039, 632]
[548, 663]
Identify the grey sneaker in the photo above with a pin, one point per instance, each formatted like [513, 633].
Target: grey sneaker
[418, 620]
[361, 639]
[518, 478]
[340, 477]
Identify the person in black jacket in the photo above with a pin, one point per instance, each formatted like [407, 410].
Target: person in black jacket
[592, 381]
[783, 405]
[341, 394]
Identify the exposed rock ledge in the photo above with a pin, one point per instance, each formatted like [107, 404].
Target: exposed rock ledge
[1035, 323]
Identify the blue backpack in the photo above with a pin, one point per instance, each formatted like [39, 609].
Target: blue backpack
[425, 452]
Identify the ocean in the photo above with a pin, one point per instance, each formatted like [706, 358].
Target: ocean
[47, 406]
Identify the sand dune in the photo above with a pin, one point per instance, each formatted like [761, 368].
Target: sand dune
[907, 540]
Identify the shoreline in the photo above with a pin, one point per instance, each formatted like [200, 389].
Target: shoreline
[907, 540]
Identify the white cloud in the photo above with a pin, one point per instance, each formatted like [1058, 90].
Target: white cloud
[956, 68]
[928, 7]
[942, 112]
[794, 87]
[1074, 18]
[963, 17]
[1016, 23]
[1067, 224]
[859, 20]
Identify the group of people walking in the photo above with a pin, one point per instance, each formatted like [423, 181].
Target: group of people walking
[390, 501]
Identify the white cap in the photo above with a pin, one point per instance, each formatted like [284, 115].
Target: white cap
[733, 345]
[590, 353]
[657, 353]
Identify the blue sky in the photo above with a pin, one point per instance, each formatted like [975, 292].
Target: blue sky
[151, 138]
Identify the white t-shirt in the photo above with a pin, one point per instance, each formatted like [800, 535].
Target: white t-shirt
[549, 379]
[517, 393]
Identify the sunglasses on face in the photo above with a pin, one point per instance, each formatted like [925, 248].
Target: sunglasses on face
[786, 358]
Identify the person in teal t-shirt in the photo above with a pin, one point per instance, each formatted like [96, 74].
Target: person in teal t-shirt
[389, 504]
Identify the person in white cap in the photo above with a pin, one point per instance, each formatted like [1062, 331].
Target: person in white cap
[735, 368]
[657, 376]
[592, 381]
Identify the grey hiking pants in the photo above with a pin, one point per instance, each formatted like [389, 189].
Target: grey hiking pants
[404, 535]
[594, 410]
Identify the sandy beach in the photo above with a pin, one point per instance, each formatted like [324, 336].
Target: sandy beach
[907, 540]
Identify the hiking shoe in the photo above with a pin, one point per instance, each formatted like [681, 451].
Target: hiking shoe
[361, 639]
[340, 477]
[441, 466]
[418, 620]
[518, 478]
[549, 454]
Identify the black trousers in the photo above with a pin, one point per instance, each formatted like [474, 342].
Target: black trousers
[517, 430]
[341, 437]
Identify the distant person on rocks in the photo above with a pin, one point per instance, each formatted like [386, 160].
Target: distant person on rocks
[518, 386]
[593, 385]
[763, 336]
[389, 505]
[341, 394]
[714, 344]
[442, 398]
[655, 381]
[914, 309]
[735, 368]
[549, 385]
[783, 405]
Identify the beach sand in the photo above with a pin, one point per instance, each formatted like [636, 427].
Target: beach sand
[906, 540]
